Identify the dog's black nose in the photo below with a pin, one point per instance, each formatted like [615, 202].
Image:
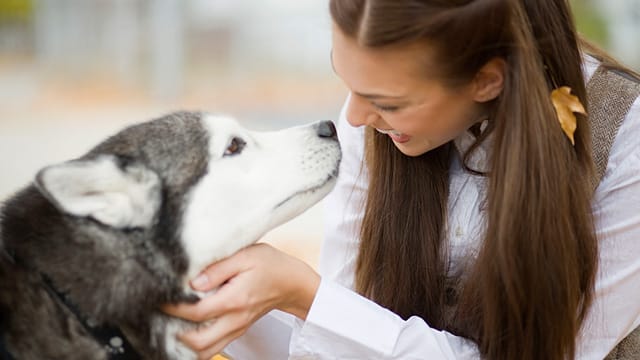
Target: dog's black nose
[326, 129]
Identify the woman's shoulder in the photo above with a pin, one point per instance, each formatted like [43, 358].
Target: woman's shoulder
[626, 147]
[624, 153]
[589, 66]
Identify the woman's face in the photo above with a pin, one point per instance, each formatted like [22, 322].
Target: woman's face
[392, 93]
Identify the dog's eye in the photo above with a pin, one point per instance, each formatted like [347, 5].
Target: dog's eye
[235, 147]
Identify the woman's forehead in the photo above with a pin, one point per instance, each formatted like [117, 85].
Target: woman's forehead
[393, 71]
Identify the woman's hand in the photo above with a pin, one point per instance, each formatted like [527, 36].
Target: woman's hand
[250, 283]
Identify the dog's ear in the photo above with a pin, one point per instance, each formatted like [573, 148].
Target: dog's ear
[117, 196]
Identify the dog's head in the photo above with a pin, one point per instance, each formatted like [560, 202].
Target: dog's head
[197, 180]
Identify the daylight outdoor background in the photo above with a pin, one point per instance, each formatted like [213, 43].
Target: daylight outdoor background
[74, 71]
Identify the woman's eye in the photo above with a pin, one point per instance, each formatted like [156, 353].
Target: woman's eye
[387, 108]
[235, 147]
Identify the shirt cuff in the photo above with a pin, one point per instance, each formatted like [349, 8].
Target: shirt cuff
[337, 326]
[344, 325]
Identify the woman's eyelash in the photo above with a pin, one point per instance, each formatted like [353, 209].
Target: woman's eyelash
[387, 108]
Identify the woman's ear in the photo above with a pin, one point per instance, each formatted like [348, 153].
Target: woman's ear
[489, 81]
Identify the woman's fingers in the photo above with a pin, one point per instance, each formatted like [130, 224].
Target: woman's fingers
[208, 308]
[218, 273]
[249, 284]
[210, 340]
[201, 311]
[211, 278]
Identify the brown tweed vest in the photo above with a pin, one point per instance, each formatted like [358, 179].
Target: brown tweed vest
[611, 94]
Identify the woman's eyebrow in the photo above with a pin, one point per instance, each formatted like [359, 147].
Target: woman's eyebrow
[378, 96]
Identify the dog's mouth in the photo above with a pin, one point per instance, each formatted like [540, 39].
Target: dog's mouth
[310, 190]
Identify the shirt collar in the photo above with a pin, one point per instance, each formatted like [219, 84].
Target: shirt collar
[478, 159]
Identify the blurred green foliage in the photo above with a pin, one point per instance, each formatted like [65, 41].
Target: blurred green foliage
[589, 22]
[15, 9]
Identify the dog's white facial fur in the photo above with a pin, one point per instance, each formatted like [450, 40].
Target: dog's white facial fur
[275, 177]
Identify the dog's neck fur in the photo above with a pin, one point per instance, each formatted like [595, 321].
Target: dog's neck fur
[156, 278]
[131, 288]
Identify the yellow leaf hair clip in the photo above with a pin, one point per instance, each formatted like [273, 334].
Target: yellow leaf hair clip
[565, 105]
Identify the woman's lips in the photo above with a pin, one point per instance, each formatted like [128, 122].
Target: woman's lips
[395, 135]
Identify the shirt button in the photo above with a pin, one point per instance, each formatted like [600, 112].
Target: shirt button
[459, 231]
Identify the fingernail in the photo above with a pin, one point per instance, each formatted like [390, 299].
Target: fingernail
[200, 282]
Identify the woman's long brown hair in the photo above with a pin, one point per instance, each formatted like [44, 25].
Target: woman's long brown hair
[527, 292]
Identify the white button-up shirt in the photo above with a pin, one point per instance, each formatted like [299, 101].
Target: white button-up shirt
[344, 325]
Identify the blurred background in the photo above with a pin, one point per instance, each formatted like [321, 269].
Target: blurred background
[74, 71]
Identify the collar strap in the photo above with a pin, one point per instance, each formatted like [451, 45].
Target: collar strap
[110, 337]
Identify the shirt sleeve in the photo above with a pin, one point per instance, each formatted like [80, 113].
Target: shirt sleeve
[267, 338]
[342, 324]
[616, 208]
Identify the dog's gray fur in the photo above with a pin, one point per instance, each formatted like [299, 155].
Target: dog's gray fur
[115, 275]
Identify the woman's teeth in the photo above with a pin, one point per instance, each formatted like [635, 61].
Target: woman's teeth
[390, 131]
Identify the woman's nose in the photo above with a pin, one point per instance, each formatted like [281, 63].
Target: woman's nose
[359, 112]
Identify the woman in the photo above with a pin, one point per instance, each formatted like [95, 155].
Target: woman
[465, 228]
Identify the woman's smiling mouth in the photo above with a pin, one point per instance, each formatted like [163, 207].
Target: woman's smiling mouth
[395, 135]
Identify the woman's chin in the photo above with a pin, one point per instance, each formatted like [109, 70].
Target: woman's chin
[411, 149]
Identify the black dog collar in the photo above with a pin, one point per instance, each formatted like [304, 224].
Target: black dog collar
[111, 338]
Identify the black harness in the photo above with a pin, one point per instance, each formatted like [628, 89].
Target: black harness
[111, 338]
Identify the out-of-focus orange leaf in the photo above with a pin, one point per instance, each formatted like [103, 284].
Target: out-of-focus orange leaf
[565, 105]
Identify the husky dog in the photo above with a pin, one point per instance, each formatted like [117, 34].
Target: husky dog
[90, 251]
